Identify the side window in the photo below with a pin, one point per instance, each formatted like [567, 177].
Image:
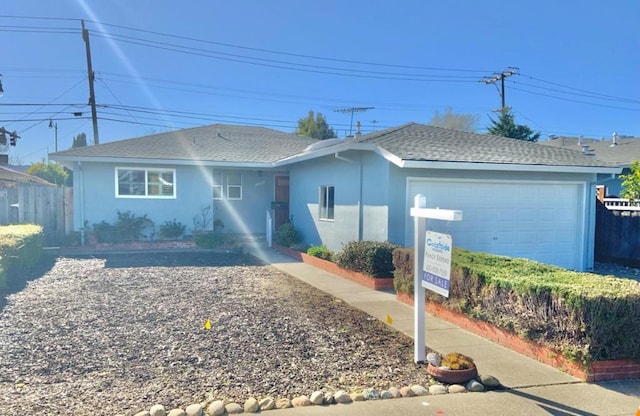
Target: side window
[234, 186]
[326, 202]
[217, 185]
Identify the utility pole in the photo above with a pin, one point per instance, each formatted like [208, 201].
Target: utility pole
[353, 110]
[54, 126]
[500, 77]
[92, 77]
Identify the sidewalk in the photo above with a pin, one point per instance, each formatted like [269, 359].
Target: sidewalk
[533, 388]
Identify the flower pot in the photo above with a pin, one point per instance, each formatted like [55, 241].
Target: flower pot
[452, 376]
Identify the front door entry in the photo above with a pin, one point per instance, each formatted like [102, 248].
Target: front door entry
[281, 205]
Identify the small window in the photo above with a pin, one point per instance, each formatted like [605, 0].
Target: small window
[217, 185]
[141, 183]
[326, 202]
[234, 186]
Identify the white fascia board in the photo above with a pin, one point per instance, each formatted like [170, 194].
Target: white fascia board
[64, 160]
[507, 167]
[325, 151]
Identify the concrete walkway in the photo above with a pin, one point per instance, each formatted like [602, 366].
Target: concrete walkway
[533, 388]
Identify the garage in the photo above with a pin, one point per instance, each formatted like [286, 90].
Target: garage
[541, 221]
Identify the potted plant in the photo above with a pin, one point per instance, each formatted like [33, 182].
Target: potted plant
[453, 368]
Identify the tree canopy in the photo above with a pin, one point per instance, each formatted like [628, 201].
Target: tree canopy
[458, 121]
[315, 127]
[79, 141]
[631, 182]
[49, 171]
[505, 126]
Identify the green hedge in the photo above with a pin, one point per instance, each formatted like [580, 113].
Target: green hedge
[372, 258]
[586, 316]
[20, 250]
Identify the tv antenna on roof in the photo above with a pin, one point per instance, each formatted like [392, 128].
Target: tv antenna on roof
[353, 110]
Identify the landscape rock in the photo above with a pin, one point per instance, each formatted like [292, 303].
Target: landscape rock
[301, 401]
[437, 389]
[194, 410]
[488, 380]
[267, 403]
[143, 413]
[251, 405]
[406, 391]
[357, 396]
[177, 412]
[434, 359]
[233, 408]
[395, 392]
[342, 397]
[317, 397]
[418, 390]
[157, 410]
[216, 408]
[370, 394]
[283, 403]
[474, 385]
[386, 395]
[457, 388]
[328, 398]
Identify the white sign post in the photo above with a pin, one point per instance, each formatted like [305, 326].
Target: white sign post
[428, 271]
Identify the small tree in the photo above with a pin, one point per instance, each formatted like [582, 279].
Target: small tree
[79, 141]
[316, 128]
[505, 126]
[631, 182]
[49, 171]
[451, 120]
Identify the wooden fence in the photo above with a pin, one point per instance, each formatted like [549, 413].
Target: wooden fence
[617, 235]
[49, 206]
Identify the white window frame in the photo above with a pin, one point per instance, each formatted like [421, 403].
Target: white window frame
[234, 186]
[146, 171]
[326, 205]
[217, 184]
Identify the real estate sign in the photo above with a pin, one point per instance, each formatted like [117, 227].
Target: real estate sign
[437, 263]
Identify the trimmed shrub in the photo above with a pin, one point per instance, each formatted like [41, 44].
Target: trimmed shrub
[128, 227]
[586, 316]
[287, 235]
[20, 251]
[321, 252]
[208, 240]
[372, 258]
[172, 230]
[403, 270]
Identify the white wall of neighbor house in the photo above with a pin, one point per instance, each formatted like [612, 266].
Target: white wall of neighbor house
[541, 216]
[95, 197]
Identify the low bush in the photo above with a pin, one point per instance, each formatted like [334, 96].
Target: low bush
[208, 240]
[372, 258]
[321, 252]
[287, 235]
[172, 230]
[586, 316]
[20, 250]
[128, 227]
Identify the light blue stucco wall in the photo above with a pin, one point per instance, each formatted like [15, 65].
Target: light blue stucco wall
[95, 198]
[361, 182]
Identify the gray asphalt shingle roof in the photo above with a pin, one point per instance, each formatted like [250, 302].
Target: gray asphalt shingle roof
[215, 143]
[623, 153]
[420, 142]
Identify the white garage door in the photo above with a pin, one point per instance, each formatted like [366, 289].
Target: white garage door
[534, 220]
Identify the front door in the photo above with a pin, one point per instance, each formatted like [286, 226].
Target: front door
[281, 205]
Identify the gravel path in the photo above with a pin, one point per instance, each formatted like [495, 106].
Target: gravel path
[121, 333]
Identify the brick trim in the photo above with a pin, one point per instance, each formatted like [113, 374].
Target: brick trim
[597, 370]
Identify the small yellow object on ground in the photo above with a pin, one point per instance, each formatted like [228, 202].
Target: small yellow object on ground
[207, 324]
[389, 319]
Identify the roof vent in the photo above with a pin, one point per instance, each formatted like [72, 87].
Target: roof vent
[218, 134]
[614, 139]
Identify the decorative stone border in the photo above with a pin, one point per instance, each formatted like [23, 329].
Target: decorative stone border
[597, 370]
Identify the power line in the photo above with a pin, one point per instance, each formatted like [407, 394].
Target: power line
[500, 77]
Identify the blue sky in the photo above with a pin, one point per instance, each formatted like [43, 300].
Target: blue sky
[162, 65]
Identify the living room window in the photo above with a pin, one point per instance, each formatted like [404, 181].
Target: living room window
[326, 202]
[145, 183]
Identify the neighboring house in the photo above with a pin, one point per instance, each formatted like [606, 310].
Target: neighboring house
[619, 151]
[518, 198]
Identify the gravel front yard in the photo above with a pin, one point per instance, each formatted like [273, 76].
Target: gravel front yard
[117, 334]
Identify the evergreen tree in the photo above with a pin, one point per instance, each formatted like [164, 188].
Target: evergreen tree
[79, 141]
[316, 128]
[49, 171]
[505, 126]
[631, 182]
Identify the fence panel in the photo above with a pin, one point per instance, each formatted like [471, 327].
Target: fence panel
[617, 235]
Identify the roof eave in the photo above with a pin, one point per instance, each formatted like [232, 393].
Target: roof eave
[342, 147]
[421, 164]
[68, 161]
